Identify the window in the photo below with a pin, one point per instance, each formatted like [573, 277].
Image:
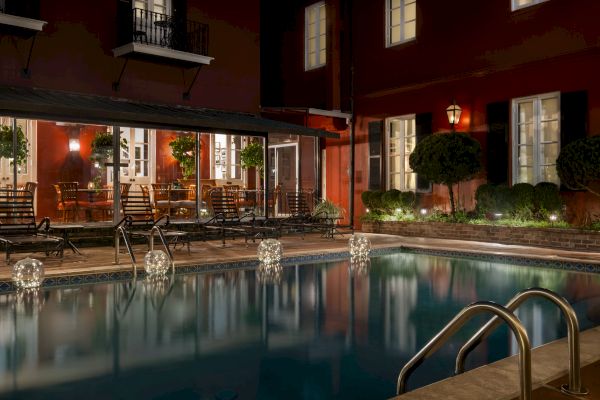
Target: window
[401, 141]
[518, 4]
[401, 21]
[315, 33]
[536, 138]
[157, 6]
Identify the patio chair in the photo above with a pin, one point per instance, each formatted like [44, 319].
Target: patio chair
[301, 217]
[161, 194]
[19, 230]
[138, 219]
[69, 200]
[227, 220]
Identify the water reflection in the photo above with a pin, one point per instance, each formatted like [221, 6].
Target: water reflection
[322, 331]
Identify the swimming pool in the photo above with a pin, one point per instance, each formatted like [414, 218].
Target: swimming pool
[319, 333]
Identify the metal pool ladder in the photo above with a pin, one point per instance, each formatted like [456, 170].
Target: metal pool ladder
[507, 315]
[574, 386]
[121, 232]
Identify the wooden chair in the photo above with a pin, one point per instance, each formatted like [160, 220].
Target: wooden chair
[189, 203]
[161, 193]
[69, 199]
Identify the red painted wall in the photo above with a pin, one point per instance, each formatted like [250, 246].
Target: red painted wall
[74, 53]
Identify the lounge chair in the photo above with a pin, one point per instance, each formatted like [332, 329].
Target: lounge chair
[19, 230]
[138, 219]
[228, 221]
[301, 217]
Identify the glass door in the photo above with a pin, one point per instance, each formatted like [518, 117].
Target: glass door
[136, 159]
[25, 168]
[283, 176]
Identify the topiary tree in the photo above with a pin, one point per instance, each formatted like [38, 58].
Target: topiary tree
[578, 164]
[447, 159]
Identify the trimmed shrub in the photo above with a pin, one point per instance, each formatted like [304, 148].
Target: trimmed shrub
[522, 200]
[547, 199]
[366, 198]
[485, 198]
[391, 200]
[578, 164]
[408, 200]
[504, 200]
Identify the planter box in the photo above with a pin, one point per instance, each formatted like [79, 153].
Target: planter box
[567, 239]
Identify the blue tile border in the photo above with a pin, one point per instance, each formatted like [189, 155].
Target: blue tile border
[7, 286]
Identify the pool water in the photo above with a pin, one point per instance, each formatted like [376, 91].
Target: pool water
[317, 332]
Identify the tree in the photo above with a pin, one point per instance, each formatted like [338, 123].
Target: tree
[447, 159]
[578, 164]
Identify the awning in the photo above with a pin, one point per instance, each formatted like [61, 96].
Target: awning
[53, 105]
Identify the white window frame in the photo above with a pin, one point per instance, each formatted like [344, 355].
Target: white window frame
[402, 150]
[537, 100]
[318, 7]
[388, 23]
[149, 6]
[515, 6]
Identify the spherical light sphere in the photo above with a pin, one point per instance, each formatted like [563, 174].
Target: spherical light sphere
[156, 262]
[28, 273]
[270, 251]
[359, 246]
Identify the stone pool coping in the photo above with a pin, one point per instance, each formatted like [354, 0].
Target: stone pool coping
[500, 380]
[513, 254]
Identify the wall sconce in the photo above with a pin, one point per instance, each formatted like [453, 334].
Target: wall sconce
[453, 112]
[74, 144]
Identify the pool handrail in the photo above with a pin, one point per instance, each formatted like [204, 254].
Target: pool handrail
[456, 323]
[574, 386]
[121, 232]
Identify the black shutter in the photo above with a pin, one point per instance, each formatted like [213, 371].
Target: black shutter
[179, 34]
[375, 136]
[573, 116]
[498, 119]
[124, 22]
[573, 119]
[423, 129]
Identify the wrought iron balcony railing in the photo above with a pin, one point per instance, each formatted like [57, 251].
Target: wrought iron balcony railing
[157, 29]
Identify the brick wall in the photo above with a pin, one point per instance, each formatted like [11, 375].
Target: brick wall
[570, 239]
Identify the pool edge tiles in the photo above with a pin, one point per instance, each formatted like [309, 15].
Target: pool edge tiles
[120, 275]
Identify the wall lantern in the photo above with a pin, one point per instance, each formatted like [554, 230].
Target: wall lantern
[453, 112]
[74, 144]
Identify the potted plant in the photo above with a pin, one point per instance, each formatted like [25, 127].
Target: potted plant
[6, 144]
[329, 210]
[183, 149]
[252, 156]
[102, 146]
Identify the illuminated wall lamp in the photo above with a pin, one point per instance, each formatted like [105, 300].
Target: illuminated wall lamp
[453, 112]
[74, 145]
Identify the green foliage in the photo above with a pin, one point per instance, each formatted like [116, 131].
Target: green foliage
[252, 156]
[408, 200]
[522, 199]
[327, 208]
[366, 198]
[102, 146]
[578, 163]
[547, 199]
[391, 200]
[6, 144]
[447, 159]
[504, 200]
[183, 149]
[485, 198]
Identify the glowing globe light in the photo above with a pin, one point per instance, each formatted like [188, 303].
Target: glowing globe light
[156, 263]
[28, 273]
[270, 251]
[359, 247]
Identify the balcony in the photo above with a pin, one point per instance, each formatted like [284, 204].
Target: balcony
[20, 17]
[148, 34]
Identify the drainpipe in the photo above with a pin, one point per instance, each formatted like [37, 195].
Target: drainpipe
[116, 173]
[198, 171]
[352, 122]
[14, 140]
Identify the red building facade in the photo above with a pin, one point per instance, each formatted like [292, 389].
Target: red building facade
[505, 63]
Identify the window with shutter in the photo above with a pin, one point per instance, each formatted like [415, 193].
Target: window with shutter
[375, 133]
